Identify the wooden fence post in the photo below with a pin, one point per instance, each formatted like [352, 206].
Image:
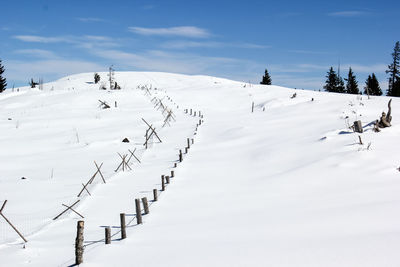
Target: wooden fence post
[194, 114]
[107, 235]
[145, 205]
[79, 243]
[252, 107]
[192, 141]
[167, 179]
[138, 211]
[172, 174]
[175, 165]
[358, 127]
[123, 225]
[162, 183]
[155, 196]
[186, 150]
[190, 111]
[180, 155]
[188, 142]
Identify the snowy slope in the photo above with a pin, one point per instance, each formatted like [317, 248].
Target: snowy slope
[287, 185]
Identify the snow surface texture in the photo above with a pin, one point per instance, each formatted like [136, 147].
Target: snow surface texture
[286, 185]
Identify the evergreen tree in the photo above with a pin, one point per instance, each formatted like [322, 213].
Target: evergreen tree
[352, 85]
[266, 78]
[372, 86]
[3, 82]
[340, 85]
[394, 71]
[331, 81]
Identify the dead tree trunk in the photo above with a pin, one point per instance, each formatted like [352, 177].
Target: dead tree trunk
[386, 118]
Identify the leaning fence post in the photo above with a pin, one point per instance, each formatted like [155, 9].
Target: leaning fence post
[155, 196]
[162, 183]
[145, 205]
[138, 211]
[123, 225]
[108, 235]
[79, 243]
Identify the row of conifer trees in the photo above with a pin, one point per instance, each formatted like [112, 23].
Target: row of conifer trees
[335, 83]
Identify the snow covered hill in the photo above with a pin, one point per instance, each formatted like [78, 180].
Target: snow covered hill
[286, 185]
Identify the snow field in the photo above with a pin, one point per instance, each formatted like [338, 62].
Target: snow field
[288, 186]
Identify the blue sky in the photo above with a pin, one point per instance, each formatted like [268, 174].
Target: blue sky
[297, 41]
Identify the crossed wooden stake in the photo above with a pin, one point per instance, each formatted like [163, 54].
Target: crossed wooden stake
[103, 104]
[132, 155]
[92, 178]
[5, 218]
[168, 118]
[152, 131]
[124, 163]
[147, 92]
[69, 208]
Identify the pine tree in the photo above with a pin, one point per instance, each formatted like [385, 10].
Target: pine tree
[340, 85]
[266, 78]
[394, 70]
[352, 85]
[372, 86]
[3, 82]
[331, 81]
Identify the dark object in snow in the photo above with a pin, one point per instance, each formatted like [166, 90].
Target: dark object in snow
[126, 140]
[312, 99]
[294, 95]
[9, 119]
[386, 118]
[96, 78]
[103, 104]
[358, 127]
[23, 178]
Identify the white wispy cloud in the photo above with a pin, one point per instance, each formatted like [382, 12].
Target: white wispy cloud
[158, 60]
[303, 68]
[309, 52]
[209, 44]
[40, 53]
[376, 68]
[42, 39]
[183, 31]
[49, 69]
[90, 19]
[85, 41]
[348, 13]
